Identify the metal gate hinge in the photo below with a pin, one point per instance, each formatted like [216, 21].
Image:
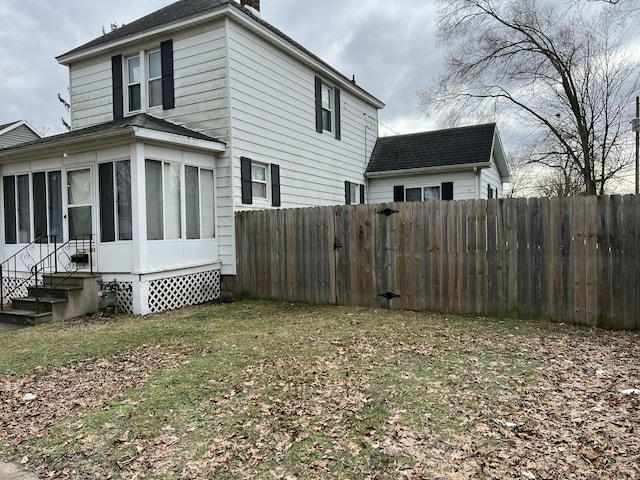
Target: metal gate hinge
[388, 295]
[387, 212]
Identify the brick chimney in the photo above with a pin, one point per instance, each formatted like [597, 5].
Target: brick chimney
[255, 4]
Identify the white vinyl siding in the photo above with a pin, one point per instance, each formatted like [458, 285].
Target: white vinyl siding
[491, 176]
[273, 119]
[17, 135]
[464, 185]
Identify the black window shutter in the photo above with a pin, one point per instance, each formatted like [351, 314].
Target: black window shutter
[318, 105]
[275, 185]
[107, 210]
[245, 178]
[398, 193]
[447, 191]
[336, 107]
[116, 77]
[9, 184]
[168, 93]
[347, 192]
[362, 194]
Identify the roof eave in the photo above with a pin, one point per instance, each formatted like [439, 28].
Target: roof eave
[215, 146]
[74, 55]
[501, 160]
[109, 138]
[437, 169]
[17, 124]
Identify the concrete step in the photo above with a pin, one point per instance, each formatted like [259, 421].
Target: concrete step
[57, 291]
[24, 317]
[45, 304]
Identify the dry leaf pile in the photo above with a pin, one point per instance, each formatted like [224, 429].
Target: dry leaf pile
[418, 404]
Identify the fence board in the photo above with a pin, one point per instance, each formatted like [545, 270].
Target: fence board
[492, 266]
[435, 252]
[591, 261]
[481, 257]
[450, 289]
[616, 314]
[512, 258]
[554, 260]
[571, 260]
[604, 261]
[629, 245]
[566, 265]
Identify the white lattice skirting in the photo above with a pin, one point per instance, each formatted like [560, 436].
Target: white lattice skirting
[12, 290]
[175, 292]
[125, 297]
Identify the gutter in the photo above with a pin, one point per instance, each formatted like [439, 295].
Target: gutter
[438, 169]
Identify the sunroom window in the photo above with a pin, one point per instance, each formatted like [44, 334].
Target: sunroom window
[162, 181]
[199, 200]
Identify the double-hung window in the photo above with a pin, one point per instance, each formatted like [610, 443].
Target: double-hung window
[143, 80]
[353, 193]
[327, 107]
[134, 86]
[154, 79]
[260, 182]
[327, 100]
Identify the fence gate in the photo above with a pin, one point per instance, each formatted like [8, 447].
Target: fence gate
[575, 260]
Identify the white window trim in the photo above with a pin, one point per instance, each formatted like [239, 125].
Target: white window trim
[331, 108]
[422, 190]
[266, 182]
[143, 55]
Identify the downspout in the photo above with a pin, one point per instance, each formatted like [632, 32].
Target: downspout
[477, 171]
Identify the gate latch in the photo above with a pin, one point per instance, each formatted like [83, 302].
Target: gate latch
[388, 295]
[387, 212]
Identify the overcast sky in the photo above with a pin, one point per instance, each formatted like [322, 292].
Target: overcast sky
[388, 45]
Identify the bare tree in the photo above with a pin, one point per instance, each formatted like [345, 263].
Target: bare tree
[561, 74]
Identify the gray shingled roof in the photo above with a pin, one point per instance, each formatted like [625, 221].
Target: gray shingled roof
[440, 148]
[2, 127]
[142, 120]
[176, 11]
[184, 9]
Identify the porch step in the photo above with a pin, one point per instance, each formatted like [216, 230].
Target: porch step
[46, 304]
[24, 317]
[65, 297]
[58, 291]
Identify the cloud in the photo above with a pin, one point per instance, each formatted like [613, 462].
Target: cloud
[389, 47]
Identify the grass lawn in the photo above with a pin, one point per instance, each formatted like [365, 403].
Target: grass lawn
[276, 390]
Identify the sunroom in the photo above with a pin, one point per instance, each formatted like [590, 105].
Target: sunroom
[133, 201]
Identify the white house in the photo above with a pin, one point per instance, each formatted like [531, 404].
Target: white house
[179, 119]
[462, 163]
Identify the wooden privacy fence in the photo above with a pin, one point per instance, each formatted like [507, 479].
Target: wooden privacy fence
[575, 260]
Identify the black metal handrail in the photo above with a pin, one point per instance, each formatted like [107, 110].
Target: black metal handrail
[58, 260]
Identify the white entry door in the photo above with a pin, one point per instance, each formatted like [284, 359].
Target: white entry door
[80, 218]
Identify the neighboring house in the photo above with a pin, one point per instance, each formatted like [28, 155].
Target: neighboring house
[454, 164]
[16, 132]
[179, 119]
